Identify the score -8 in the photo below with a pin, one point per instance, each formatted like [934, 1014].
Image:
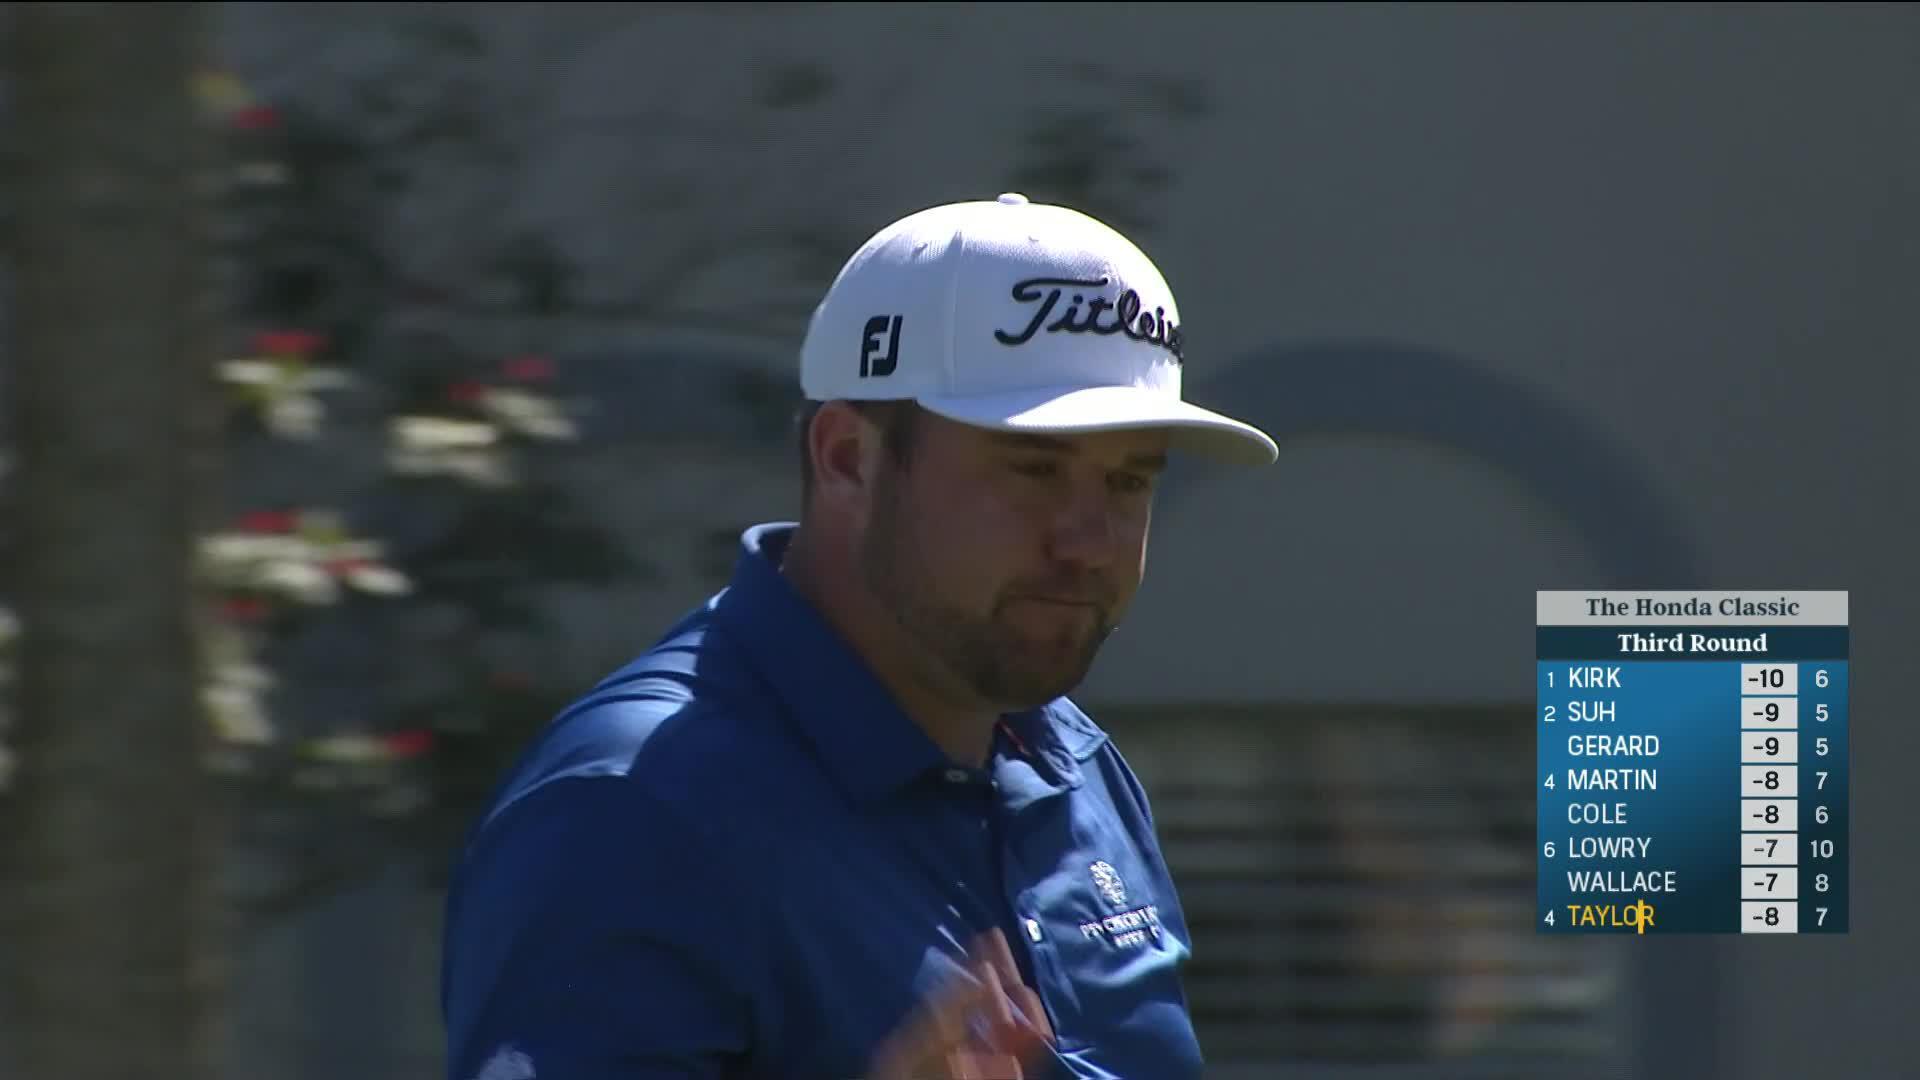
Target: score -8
[1769, 781]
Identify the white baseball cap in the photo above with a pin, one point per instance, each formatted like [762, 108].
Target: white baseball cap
[1014, 316]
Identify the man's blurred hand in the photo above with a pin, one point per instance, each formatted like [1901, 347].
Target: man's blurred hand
[985, 1025]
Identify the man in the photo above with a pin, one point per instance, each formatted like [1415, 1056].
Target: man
[840, 821]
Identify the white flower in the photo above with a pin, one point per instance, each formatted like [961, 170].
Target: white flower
[245, 675]
[240, 551]
[286, 563]
[296, 416]
[295, 378]
[430, 433]
[529, 414]
[484, 467]
[250, 372]
[303, 581]
[237, 715]
[379, 580]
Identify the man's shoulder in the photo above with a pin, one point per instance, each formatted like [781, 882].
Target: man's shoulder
[679, 720]
[609, 856]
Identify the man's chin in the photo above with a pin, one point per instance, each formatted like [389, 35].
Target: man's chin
[1032, 687]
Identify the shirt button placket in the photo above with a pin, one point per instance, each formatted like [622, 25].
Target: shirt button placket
[1049, 982]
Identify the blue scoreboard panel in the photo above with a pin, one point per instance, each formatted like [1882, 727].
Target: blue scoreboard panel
[1692, 763]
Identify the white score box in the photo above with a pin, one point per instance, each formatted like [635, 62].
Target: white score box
[1769, 849]
[1763, 917]
[1769, 679]
[1769, 713]
[1765, 883]
[1769, 815]
[1769, 781]
[1770, 747]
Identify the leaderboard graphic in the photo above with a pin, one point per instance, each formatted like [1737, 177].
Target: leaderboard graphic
[1692, 770]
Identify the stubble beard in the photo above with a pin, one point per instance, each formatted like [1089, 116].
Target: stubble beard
[985, 654]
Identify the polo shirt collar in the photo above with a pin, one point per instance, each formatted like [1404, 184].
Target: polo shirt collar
[866, 742]
[1050, 743]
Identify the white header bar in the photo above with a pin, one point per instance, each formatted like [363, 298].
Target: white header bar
[1776, 608]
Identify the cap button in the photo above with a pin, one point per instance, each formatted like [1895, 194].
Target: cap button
[1013, 198]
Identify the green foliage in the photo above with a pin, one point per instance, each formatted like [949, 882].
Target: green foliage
[397, 511]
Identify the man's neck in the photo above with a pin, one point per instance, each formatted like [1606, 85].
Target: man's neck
[962, 728]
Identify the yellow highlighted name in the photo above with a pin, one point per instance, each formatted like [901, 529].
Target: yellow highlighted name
[1636, 916]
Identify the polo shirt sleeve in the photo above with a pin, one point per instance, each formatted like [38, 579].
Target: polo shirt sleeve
[591, 935]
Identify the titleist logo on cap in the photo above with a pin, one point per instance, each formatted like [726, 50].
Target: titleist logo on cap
[1098, 316]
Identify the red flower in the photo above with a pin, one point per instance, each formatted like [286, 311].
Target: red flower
[466, 391]
[529, 369]
[244, 609]
[268, 521]
[407, 744]
[256, 118]
[289, 342]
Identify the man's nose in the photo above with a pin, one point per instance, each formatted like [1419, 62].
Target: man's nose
[1087, 530]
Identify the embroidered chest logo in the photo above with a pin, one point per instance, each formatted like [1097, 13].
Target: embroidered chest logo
[1107, 880]
[1128, 929]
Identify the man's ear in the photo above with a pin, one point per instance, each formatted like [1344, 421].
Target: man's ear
[845, 450]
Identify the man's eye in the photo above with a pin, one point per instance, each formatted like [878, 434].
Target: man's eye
[1039, 469]
[1131, 483]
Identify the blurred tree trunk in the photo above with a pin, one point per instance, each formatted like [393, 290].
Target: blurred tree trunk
[105, 843]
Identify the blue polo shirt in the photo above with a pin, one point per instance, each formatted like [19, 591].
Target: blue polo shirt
[737, 857]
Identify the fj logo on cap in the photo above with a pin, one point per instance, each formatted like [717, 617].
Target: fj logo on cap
[882, 331]
[1100, 315]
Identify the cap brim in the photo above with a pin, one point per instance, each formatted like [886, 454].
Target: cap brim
[1078, 410]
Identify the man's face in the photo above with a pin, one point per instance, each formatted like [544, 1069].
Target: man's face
[1008, 559]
